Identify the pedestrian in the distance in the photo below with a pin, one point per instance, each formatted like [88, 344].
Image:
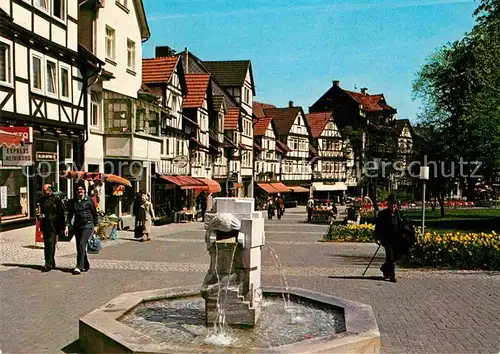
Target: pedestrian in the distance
[388, 233]
[145, 217]
[270, 208]
[52, 219]
[85, 213]
[310, 206]
[280, 207]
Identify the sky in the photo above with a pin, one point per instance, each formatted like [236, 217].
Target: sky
[298, 48]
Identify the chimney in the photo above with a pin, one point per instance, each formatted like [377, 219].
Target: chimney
[290, 104]
[336, 83]
[186, 59]
[364, 91]
[164, 51]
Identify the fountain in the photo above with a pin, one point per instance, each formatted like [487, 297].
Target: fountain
[234, 312]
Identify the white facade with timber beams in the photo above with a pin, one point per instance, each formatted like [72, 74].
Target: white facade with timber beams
[42, 88]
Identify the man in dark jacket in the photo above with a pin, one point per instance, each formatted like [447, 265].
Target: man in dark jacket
[388, 232]
[85, 213]
[51, 216]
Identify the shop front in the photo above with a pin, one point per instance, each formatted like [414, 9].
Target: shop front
[329, 191]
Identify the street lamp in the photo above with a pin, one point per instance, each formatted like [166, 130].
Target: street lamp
[424, 175]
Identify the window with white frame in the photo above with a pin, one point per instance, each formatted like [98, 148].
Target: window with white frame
[94, 110]
[59, 9]
[37, 84]
[110, 43]
[130, 54]
[42, 5]
[51, 77]
[5, 62]
[64, 81]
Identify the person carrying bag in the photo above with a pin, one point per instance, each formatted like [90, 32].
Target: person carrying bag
[83, 210]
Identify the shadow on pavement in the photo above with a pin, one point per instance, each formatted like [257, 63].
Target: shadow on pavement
[73, 347]
[33, 247]
[379, 278]
[36, 267]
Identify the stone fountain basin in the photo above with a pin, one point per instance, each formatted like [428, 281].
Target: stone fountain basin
[101, 331]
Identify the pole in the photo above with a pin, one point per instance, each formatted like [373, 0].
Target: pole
[423, 207]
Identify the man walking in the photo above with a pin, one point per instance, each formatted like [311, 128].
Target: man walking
[84, 211]
[310, 206]
[51, 216]
[388, 232]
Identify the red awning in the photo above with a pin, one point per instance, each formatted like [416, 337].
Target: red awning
[185, 182]
[213, 186]
[8, 139]
[267, 188]
[280, 187]
[299, 189]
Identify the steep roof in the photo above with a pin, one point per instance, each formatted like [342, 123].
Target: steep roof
[283, 118]
[258, 108]
[230, 73]
[260, 125]
[231, 118]
[158, 70]
[217, 102]
[197, 85]
[282, 147]
[371, 103]
[317, 122]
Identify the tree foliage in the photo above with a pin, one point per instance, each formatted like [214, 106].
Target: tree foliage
[460, 89]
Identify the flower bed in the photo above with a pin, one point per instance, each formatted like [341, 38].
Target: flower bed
[458, 250]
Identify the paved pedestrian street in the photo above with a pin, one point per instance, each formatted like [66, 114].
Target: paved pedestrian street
[424, 312]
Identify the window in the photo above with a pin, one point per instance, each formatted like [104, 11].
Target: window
[130, 54]
[110, 43]
[51, 77]
[5, 62]
[64, 78]
[94, 110]
[153, 123]
[139, 119]
[59, 9]
[37, 72]
[42, 4]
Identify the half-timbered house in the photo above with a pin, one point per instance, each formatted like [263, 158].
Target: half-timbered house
[293, 134]
[330, 165]
[266, 163]
[43, 80]
[236, 77]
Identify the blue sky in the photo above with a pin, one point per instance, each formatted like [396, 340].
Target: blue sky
[298, 47]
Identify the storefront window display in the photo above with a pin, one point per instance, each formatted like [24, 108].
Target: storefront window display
[13, 194]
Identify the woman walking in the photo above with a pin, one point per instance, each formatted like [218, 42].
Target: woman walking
[145, 217]
[85, 213]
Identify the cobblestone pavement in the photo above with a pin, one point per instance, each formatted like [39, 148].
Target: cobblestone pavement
[425, 312]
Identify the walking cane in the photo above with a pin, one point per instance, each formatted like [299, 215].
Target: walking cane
[369, 264]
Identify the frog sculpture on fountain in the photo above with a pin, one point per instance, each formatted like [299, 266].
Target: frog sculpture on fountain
[234, 237]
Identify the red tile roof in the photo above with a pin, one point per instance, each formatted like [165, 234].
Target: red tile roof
[371, 103]
[231, 118]
[260, 126]
[317, 122]
[158, 70]
[197, 85]
[258, 108]
[283, 118]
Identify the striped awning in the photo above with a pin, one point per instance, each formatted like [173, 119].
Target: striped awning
[185, 182]
[280, 187]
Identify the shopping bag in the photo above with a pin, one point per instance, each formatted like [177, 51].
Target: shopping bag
[38, 231]
[94, 244]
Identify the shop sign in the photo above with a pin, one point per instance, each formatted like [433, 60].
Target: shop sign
[180, 161]
[18, 156]
[46, 156]
[25, 132]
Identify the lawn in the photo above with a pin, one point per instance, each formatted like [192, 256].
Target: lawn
[467, 220]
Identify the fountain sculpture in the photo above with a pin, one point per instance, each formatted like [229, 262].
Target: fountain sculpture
[177, 320]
